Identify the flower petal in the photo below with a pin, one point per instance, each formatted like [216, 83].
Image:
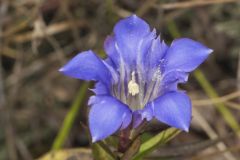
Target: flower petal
[174, 109]
[137, 119]
[126, 121]
[156, 52]
[153, 59]
[86, 66]
[106, 116]
[110, 66]
[185, 54]
[111, 51]
[100, 89]
[129, 36]
[171, 79]
[145, 114]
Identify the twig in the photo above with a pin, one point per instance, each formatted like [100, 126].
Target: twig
[216, 100]
[177, 5]
[190, 4]
[208, 156]
[49, 30]
[233, 105]
[145, 7]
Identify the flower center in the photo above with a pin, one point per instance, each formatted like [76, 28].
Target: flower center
[133, 87]
[137, 88]
[140, 92]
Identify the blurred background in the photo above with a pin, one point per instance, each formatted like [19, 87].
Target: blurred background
[41, 110]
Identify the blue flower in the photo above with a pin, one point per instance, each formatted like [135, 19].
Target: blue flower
[138, 80]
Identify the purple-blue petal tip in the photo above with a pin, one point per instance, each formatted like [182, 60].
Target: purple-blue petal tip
[94, 139]
[186, 129]
[209, 51]
[61, 69]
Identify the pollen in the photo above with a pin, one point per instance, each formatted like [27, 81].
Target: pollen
[133, 87]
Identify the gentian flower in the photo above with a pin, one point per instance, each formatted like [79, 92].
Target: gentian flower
[138, 80]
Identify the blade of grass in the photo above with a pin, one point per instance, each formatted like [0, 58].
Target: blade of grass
[70, 117]
[207, 87]
[161, 138]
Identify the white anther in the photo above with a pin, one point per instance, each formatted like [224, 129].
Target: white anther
[133, 87]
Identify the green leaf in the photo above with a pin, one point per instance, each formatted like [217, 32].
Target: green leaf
[160, 139]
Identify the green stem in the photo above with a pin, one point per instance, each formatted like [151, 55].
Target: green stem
[69, 119]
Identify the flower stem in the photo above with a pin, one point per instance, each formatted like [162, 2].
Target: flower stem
[124, 140]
